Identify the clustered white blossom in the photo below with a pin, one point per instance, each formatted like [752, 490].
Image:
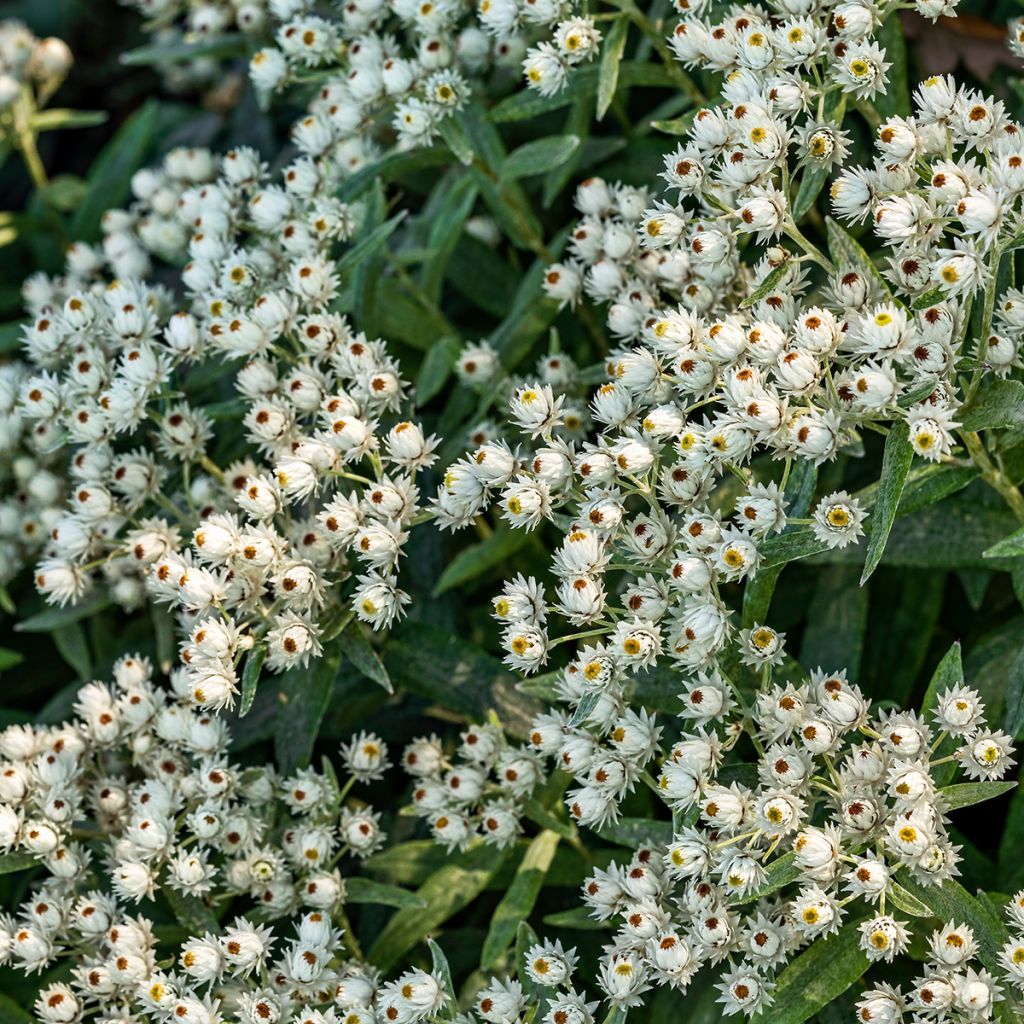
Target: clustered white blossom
[478, 795]
[840, 807]
[323, 488]
[28, 65]
[137, 797]
[32, 487]
[549, 969]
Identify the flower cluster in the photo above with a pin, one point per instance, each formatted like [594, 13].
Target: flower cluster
[30, 68]
[386, 72]
[137, 798]
[479, 795]
[548, 968]
[255, 548]
[181, 24]
[842, 806]
[33, 489]
[951, 989]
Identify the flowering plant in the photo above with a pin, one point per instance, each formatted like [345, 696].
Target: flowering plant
[609, 414]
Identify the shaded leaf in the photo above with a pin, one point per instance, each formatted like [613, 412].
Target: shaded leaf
[539, 156]
[998, 403]
[445, 893]
[896, 460]
[54, 618]
[476, 559]
[365, 890]
[109, 181]
[70, 640]
[517, 903]
[818, 975]
[359, 650]
[611, 61]
[251, 677]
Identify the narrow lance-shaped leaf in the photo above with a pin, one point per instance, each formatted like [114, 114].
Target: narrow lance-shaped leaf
[361, 652]
[611, 61]
[766, 287]
[948, 673]
[518, 901]
[824, 971]
[475, 560]
[440, 968]
[364, 890]
[847, 252]
[539, 156]
[966, 794]
[896, 460]
[251, 677]
[445, 892]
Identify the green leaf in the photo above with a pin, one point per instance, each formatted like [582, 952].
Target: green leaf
[811, 182]
[446, 218]
[780, 872]
[390, 167]
[526, 939]
[191, 912]
[894, 100]
[896, 460]
[56, 118]
[11, 862]
[54, 618]
[1009, 547]
[480, 557]
[361, 652]
[440, 968]
[517, 903]
[817, 976]
[965, 794]
[369, 244]
[675, 125]
[616, 1015]
[635, 832]
[528, 318]
[457, 675]
[836, 621]
[458, 141]
[578, 918]
[163, 636]
[1013, 721]
[948, 673]
[848, 253]
[767, 286]
[445, 893]
[251, 677]
[587, 703]
[109, 181]
[71, 642]
[219, 47]
[10, 659]
[12, 1013]
[907, 902]
[929, 298]
[365, 890]
[436, 368]
[611, 61]
[998, 403]
[539, 156]
[304, 694]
